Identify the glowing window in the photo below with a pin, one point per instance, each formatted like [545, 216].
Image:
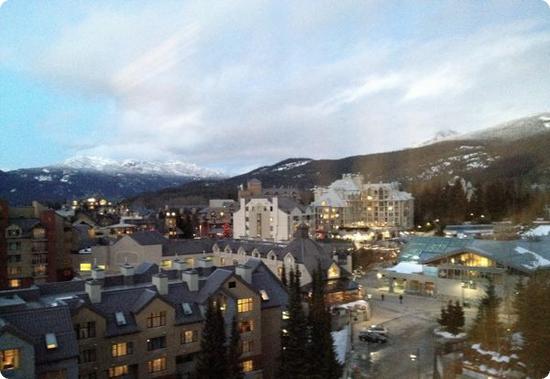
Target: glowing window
[246, 326]
[189, 336]
[248, 366]
[157, 365]
[85, 267]
[245, 305]
[117, 371]
[51, 341]
[166, 264]
[121, 349]
[14, 283]
[333, 272]
[9, 359]
[264, 295]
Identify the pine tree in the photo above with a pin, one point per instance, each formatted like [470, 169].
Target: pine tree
[212, 357]
[293, 363]
[284, 276]
[321, 344]
[234, 366]
[533, 308]
[443, 320]
[487, 329]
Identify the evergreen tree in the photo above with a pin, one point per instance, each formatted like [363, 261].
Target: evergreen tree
[321, 344]
[284, 276]
[212, 362]
[487, 329]
[234, 366]
[533, 309]
[443, 320]
[293, 358]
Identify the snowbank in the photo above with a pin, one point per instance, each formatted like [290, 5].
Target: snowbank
[444, 334]
[538, 260]
[539, 231]
[354, 304]
[340, 339]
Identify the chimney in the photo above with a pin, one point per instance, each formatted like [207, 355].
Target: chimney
[191, 277]
[244, 272]
[180, 264]
[160, 281]
[335, 257]
[128, 271]
[98, 273]
[93, 289]
[205, 262]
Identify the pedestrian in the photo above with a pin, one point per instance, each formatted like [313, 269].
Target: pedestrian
[382, 296]
[400, 299]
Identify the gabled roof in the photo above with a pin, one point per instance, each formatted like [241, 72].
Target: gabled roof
[146, 238]
[25, 224]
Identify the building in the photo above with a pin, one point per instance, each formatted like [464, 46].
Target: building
[267, 218]
[302, 252]
[217, 218]
[254, 188]
[350, 202]
[458, 269]
[140, 323]
[35, 246]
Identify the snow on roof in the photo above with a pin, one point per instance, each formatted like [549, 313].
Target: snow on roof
[538, 260]
[406, 268]
[539, 231]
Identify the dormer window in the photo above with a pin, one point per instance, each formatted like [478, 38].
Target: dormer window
[187, 310]
[264, 295]
[51, 341]
[120, 319]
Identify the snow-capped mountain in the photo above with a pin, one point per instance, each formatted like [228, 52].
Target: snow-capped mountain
[130, 166]
[442, 135]
[86, 176]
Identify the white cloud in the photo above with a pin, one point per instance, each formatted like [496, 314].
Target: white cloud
[247, 84]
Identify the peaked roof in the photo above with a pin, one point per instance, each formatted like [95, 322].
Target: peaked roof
[145, 238]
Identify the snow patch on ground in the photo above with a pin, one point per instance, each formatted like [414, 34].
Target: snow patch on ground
[340, 339]
[444, 334]
[13, 190]
[43, 178]
[354, 304]
[65, 179]
[291, 165]
[539, 231]
[538, 260]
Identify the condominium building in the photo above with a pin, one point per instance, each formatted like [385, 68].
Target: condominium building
[268, 218]
[352, 202]
[140, 323]
[35, 246]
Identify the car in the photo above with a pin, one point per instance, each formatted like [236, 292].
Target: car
[372, 337]
[378, 329]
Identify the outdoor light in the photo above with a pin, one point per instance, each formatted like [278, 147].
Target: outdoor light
[379, 275]
[412, 356]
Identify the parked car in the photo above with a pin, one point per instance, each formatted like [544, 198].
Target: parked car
[378, 329]
[366, 336]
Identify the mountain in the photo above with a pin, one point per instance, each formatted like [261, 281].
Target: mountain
[441, 135]
[86, 176]
[515, 150]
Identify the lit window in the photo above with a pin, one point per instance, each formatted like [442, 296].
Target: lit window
[246, 346]
[157, 365]
[244, 305]
[156, 319]
[9, 359]
[166, 264]
[265, 296]
[51, 341]
[189, 336]
[333, 272]
[121, 349]
[246, 326]
[248, 366]
[14, 283]
[286, 315]
[117, 371]
[187, 310]
[85, 267]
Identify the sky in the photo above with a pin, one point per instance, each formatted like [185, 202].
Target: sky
[234, 85]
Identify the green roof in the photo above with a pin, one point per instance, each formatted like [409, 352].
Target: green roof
[523, 255]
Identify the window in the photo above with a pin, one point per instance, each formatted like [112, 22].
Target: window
[122, 349]
[244, 305]
[264, 295]
[14, 246]
[156, 319]
[166, 264]
[85, 330]
[285, 315]
[14, 258]
[120, 319]
[15, 270]
[14, 232]
[247, 346]
[117, 371]
[157, 365]
[189, 336]
[51, 341]
[156, 343]
[89, 375]
[14, 283]
[187, 310]
[9, 359]
[87, 356]
[181, 359]
[232, 284]
[248, 366]
[246, 326]
[85, 267]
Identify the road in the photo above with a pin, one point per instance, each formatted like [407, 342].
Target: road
[410, 326]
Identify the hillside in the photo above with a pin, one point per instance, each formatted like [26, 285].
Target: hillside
[516, 150]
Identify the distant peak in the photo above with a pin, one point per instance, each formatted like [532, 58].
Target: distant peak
[442, 135]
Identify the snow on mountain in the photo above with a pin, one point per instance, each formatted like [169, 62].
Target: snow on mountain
[130, 166]
[442, 135]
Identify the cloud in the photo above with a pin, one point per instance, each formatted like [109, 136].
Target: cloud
[2, 2]
[246, 84]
